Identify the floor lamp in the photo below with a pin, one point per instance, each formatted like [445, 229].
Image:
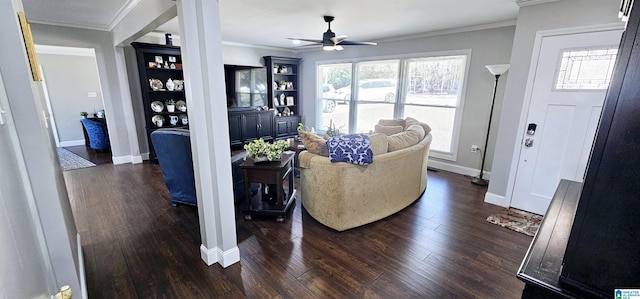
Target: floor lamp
[496, 70]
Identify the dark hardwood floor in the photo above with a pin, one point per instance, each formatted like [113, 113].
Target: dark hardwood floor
[137, 246]
[91, 155]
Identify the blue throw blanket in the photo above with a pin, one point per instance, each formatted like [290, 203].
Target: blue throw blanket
[353, 148]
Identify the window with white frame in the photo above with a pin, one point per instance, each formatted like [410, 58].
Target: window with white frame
[586, 68]
[427, 88]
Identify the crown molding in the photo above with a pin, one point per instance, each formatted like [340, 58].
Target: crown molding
[523, 3]
[450, 31]
[122, 13]
[68, 24]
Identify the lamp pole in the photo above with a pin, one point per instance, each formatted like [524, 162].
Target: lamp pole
[496, 70]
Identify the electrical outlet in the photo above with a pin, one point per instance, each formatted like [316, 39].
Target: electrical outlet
[474, 148]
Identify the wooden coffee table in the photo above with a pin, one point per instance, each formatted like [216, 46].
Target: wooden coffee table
[271, 175]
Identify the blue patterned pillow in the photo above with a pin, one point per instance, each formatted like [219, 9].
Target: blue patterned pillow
[353, 148]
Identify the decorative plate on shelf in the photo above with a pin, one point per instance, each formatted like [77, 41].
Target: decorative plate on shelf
[155, 84]
[181, 105]
[157, 106]
[157, 120]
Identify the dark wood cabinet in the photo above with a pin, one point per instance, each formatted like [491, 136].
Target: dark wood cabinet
[235, 128]
[603, 247]
[284, 97]
[246, 126]
[157, 64]
[286, 126]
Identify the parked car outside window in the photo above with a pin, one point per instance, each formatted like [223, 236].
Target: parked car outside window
[370, 90]
[329, 98]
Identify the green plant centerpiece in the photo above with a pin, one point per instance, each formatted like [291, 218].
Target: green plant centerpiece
[261, 151]
[84, 114]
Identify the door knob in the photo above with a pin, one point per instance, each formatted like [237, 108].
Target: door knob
[528, 142]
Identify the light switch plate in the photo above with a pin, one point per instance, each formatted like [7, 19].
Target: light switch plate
[92, 94]
[2, 120]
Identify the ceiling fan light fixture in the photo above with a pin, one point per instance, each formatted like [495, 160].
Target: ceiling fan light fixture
[331, 42]
[295, 41]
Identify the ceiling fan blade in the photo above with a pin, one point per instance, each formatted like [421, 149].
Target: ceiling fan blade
[317, 41]
[309, 46]
[338, 39]
[354, 43]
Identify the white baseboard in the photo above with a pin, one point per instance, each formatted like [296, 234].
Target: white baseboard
[83, 280]
[216, 255]
[136, 159]
[457, 168]
[126, 159]
[496, 199]
[71, 143]
[145, 156]
[229, 257]
[209, 256]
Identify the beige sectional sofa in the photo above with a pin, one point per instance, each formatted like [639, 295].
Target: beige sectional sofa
[343, 195]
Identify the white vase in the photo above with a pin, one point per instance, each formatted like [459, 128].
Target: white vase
[171, 108]
[170, 85]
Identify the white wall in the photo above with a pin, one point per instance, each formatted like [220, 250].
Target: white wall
[69, 80]
[117, 103]
[531, 19]
[489, 46]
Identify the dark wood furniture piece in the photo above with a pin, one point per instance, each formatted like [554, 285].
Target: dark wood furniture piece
[271, 175]
[284, 99]
[286, 126]
[248, 125]
[147, 56]
[601, 253]
[542, 264]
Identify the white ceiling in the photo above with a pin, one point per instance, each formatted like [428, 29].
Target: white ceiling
[253, 22]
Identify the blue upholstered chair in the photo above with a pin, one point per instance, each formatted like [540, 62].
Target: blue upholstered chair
[173, 149]
[97, 133]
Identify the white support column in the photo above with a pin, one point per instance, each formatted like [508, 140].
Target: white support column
[201, 47]
[125, 95]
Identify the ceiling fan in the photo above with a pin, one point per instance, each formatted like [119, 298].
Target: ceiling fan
[330, 41]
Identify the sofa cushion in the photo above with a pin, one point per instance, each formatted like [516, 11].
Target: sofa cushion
[410, 137]
[388, 130]
[314, 143]
[379, 143]
[412, 121]
[393, 122]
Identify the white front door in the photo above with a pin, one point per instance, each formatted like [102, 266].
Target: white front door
[26, 270]
[565, 116]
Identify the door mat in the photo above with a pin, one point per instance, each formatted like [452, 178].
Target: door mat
[517, 220]
[70, 161]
